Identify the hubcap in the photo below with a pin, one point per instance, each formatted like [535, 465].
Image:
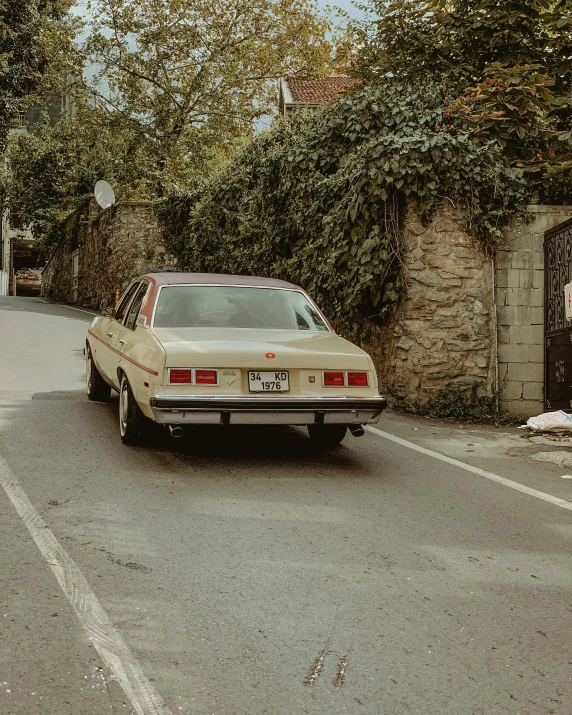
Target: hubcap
[123, 406]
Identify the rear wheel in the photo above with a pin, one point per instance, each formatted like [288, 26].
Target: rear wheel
[327, 436]
[97, 389]
[132, 422]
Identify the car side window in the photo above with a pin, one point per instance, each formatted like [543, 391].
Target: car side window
[124, 303]
[135, 307]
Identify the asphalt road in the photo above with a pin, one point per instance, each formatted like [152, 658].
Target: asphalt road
[244, 574]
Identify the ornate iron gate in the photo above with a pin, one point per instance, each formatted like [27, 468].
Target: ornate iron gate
[557, 330]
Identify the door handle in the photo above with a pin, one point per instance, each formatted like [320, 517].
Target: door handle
[110, 335]
[122, 342]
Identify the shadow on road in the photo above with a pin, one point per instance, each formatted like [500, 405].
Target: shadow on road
[218, 445]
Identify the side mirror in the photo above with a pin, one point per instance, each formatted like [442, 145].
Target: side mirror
[108, 312]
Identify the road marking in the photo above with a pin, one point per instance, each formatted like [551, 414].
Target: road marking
[111, 647]
[63, 305]
[475, 470]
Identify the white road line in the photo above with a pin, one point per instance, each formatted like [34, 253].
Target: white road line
[63, 305]
[111, 647]
[475, 470]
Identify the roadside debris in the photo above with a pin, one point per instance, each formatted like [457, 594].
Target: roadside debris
[550, 422]
[562, 459]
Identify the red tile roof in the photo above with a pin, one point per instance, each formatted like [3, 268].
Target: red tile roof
[319, 91]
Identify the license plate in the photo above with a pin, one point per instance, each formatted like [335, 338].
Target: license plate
[269, 381]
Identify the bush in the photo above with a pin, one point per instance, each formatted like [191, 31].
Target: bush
[318, 199]
[466, 406]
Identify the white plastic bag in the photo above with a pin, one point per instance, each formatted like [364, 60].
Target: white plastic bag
[551, 422]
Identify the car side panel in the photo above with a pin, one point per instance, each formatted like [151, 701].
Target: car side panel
[142, 360]
[99, 345]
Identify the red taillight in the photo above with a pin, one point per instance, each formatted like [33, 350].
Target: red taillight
[357, 379]
[180, 377]
[334, 379]
[206, 377]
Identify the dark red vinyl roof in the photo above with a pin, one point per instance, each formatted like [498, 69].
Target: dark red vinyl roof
[178, 278]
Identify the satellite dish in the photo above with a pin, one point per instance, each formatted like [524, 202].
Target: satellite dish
[104, 194]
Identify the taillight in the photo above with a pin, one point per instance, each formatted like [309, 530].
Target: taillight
[334, 379]
[206, 377]
[357, 379]
[180, 377]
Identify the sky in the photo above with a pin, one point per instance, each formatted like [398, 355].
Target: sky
[346, 5]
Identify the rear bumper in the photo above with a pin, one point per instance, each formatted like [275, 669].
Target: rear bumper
[175, 409]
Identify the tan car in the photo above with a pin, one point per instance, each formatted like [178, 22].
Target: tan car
[188, 348]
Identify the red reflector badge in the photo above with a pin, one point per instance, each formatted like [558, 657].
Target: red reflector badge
[270, 356]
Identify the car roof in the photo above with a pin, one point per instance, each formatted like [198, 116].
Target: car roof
[180, 277]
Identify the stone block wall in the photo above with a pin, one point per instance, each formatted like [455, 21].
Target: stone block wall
[463, 320]
[519, 295]
[114, 245]
[443, 333]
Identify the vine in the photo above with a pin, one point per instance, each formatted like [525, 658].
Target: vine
[319, 198]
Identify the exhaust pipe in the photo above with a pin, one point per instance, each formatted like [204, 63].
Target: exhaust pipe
[176, 430]
[357, 430]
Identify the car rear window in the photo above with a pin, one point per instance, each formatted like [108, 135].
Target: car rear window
[235, 307]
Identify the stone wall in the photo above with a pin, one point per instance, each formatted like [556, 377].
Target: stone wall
[114, 245]
[443, 332]
[519, 278]
[461, 321]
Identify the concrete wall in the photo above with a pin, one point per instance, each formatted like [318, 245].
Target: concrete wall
[519, 294]
[443, 333]
[114, 246]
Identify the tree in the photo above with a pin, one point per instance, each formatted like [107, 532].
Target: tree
[52, 170]
[506, 66]
[187, 76]
[24, 61]
[456, 40]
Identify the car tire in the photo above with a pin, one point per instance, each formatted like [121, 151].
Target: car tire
[132, 422]
[327, 436]
[97, 389]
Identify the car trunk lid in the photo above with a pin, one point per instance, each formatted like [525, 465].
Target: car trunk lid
[259, 349]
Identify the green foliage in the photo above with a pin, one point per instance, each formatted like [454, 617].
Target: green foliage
[456, 40]
[24, 61]
[319, 198]
[466, 406]
[53, 170]
[190, 76]
[507, 63]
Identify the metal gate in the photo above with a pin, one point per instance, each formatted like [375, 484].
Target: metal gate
[557, 330]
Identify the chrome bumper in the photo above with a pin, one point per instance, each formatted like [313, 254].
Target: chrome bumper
[249, 410]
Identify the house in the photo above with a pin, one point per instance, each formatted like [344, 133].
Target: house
[311, 92]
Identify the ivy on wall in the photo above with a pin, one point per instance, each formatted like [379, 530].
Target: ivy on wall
[319, 198]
